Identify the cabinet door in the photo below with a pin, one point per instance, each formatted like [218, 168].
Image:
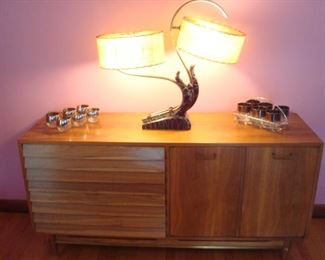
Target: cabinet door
[278, 190]
[204, 190]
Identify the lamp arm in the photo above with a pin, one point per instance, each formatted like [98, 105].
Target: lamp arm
[147, 76]
[178, 81]
[222, 11]
[182, 61]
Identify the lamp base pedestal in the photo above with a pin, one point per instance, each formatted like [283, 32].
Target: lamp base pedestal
[175, 118]
[166, 121]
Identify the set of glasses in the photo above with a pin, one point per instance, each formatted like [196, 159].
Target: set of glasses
[72, 117]
[264, 110]
[262, 113]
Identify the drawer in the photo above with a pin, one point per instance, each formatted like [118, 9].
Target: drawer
[99, 210]
[85, 164]
[89, 224]
[93, 176]
[117, 217]
[102, 230]
[97, 190]
[47, 186]
[94, 158]
[94, 152]
[98, 198]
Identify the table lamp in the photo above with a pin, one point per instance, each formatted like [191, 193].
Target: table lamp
[199, 37]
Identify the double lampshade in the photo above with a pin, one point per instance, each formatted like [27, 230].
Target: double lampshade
[199, 37]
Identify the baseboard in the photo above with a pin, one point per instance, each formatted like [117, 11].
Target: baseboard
[319, 211]
[13, 206]
[21, 206]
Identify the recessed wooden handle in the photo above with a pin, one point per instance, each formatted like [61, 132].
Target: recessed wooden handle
[200, 156]
[288, 156]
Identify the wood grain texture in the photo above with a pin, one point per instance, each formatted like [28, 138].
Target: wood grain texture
[94, 152]
[22, 165]
[94, 165]
[97, 190]
[278, 191]
[19, 242]
[207, 128]
[205, 191]
[101, 230]
[93, 187]
[112, 191]
[100, 210]
[91, 220]
[96, 225]
[95, 176]
[99, 198]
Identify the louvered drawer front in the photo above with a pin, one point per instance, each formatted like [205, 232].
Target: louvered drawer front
[97, 190]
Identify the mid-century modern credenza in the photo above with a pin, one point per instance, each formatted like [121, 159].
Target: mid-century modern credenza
[219, 185]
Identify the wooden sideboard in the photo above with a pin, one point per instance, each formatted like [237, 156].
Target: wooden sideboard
[219, 185]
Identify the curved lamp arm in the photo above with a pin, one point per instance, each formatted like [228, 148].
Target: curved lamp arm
[222, 11]
[146, 76]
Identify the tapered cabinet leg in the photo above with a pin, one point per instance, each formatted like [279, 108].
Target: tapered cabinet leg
[53, 246]
[285, 249]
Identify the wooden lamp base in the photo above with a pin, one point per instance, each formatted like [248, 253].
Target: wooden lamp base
[175, 118]
[166, 122]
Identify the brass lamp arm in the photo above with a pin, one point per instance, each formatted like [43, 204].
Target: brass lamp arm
[222, 11]
[146, 76]
[159, 77]
[187, 70]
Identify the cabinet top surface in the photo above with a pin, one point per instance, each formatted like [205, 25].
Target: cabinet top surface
[207, 128]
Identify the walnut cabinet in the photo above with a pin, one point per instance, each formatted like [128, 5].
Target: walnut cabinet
[219, 185]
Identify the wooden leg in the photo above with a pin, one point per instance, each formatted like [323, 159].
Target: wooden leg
[53, 246]
[285, 249]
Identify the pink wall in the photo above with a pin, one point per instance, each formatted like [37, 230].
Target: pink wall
[48, 61]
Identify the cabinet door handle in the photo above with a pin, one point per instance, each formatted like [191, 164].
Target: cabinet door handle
[200, 156]
[288, 156]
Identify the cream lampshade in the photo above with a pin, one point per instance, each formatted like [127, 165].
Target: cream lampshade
[130, 50]
[210, 40]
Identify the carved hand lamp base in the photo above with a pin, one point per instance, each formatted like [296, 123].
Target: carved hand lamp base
[175, 118]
